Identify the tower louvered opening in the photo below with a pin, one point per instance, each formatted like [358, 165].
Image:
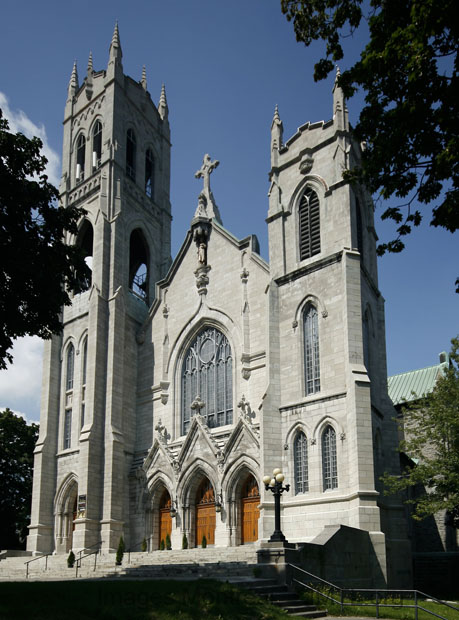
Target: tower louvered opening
[309, 220]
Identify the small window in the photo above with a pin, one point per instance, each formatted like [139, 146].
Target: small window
[96, 145]
[309, 224]
[311, 350]
[68, 429]
[81, 158]
[131, 146]
[300, 455]
[70, 367]
[149, 173]
[329, 462]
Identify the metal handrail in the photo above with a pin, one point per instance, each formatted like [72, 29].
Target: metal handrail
[139, 542]
[90, 547]
[82, 557]
[415, 594]
[34, 559]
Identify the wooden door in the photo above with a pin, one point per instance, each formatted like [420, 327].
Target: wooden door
[205, 513]
[250, 512]
[165, 519]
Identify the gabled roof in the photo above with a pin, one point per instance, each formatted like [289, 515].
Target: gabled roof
[409, 386]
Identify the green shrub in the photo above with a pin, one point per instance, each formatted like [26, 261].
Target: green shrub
[168, 542]
[162, 544]
[204, 542]
[184, 542]
[120, 551]
[71, 559]
[144, 545]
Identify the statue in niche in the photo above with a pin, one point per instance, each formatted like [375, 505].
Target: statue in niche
[202, 254]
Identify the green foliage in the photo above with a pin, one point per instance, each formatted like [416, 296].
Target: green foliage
[431, 439]
[168, 542]
[120, 551]
[408, 72]
[35, 260]
[184, 542]
[17, 443]
[204, 542]
[71, 559]
[162, 545]
[144, 545]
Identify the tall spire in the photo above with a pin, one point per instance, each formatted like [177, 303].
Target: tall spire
[115, 45]
[340, 113]
[143, 81]
[277, 131]
[73, 84]
[162, 105]
[88, 80]
[90, 63]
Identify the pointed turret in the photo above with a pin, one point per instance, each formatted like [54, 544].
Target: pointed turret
[73, 84]
[340, 113]
[277, 130]
[88, 80]
[143, 81]
[115, 45]
[162, 105]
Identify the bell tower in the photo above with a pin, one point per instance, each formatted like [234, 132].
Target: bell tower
[116, 165]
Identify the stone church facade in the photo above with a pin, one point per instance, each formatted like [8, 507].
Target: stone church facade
[176, 386]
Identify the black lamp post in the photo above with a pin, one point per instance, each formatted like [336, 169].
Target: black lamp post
[274, 484]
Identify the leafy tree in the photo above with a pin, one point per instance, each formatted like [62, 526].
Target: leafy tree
[431, 430]
[35, 261]
[17, 442]
[408, 71]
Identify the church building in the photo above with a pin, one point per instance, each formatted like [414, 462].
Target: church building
[177, 385]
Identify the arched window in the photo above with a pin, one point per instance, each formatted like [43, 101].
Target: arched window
[70, 367]
[139, 259]
[81, 158]
[311, 350]
[131, 147]
[84, 366]
[309, 224]
[300, 455]
[85, 241]
[149, 173]
[207, 372]
[96, 145]
[329, 462]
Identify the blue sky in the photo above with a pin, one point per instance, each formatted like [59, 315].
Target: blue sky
[225, 66]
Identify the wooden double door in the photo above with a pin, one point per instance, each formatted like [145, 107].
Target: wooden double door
[205, 513]
[249, 511]
[165, 519]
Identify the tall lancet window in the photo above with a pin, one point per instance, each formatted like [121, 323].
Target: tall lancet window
[81, 158]
[300, 455]
[329, 462]
[207, 372]
[69, 372]
[311, 350]
[149, 173]
[131, 147]
[84, 367]
[70, 367]
[309, 224]
[96, 145]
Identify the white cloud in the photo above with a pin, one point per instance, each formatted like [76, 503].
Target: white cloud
[20, 384]
[19, 121]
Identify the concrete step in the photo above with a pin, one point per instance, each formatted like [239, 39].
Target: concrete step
[283, 597]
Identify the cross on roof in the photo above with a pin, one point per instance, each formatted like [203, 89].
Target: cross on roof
[204, 172]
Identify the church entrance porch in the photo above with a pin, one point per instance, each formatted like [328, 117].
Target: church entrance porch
[165, 519]
[205, 513]
[250, 513]
[66, 515]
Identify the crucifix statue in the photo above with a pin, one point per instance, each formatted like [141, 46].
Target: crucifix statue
[204, 172]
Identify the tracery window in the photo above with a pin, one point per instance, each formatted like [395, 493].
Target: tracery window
[81, 158]
[311, 349]
[149, 173]
[70, 367]
[207, 372]
[309, 224]
[131, 145]
[329, 461]
[68, 429]
[96, 145]
[300, 455]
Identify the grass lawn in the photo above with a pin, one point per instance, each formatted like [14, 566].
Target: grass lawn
[125, 600]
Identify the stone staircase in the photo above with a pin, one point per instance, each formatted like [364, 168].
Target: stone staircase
[213, 562]
[282, 596]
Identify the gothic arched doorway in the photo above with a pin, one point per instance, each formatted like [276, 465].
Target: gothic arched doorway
[165, 519]
[250, 499]
[205, 513]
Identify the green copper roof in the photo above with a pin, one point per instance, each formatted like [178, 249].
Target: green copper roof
[409, 386]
